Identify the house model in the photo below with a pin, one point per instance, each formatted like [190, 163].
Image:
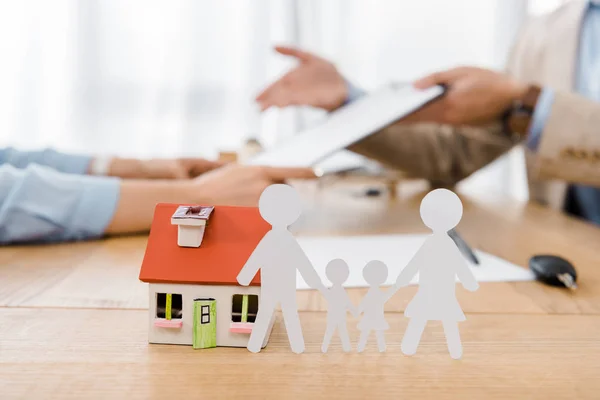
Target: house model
[192, 259]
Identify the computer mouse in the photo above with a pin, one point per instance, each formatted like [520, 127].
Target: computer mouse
[553, 270]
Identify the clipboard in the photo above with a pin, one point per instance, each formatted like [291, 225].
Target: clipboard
[347, 125]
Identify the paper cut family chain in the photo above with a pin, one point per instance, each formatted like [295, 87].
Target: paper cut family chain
[438, 261]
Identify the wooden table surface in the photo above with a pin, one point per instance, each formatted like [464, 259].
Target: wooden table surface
[73, 320]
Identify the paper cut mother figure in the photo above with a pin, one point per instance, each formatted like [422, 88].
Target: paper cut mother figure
[438, 262]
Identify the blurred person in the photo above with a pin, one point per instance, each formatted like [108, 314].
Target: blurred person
[549, 99]
[47, 196]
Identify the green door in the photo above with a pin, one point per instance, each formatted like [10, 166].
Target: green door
[205, 324]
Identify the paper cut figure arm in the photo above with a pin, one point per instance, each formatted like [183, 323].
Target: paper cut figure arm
[362, 305]
[411, 268]
[392, 291]
[361, 308]
[307, 270]
[464, 273]
[254, 262]
[350, 306]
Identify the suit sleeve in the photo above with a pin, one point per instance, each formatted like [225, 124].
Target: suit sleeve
[564, 136]
[441, 154]
[569, 147]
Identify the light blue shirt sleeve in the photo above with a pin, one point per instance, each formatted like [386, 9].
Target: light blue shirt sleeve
[39, 204]
[354, 93]
[539, 118]
[67, 163]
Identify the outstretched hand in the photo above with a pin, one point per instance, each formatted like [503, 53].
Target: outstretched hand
[313, 82]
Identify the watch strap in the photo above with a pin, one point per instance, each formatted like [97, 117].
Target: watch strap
[518, 117]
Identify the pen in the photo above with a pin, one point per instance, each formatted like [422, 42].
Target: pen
[463, 246]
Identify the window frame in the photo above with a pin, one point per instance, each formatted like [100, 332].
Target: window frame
[244, 313]
[168, 306]
[204, 314]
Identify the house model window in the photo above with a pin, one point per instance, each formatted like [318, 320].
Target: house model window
[244, 308]
[169, 310]
[205, 315]
[191, 222]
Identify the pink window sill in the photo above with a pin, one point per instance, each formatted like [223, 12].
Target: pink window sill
[165, 323]
[241, 327]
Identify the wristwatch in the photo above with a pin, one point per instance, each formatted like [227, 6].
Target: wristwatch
[517, 118]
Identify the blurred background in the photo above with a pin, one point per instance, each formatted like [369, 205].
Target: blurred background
[168, 78]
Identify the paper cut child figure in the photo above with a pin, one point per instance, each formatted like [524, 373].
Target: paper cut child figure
[278, 256]
[372, 305]
[338, 304]
[438, 262]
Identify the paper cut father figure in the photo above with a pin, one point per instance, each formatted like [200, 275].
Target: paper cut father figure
[278, 256]
[438, 262]
[375, 274]
[338, 304]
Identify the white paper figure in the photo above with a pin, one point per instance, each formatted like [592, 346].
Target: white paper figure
[338, 304]
[372, 305]
[278, 256]
[438, 261]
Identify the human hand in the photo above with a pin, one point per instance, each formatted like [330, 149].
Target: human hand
[314, 82]
[182, 168]
[228, 185]
[241, 185]
[474, 96]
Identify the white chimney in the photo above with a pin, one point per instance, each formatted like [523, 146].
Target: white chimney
[191, 222]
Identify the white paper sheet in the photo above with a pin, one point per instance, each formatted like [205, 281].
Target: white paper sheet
[396, 251]
[347, 125]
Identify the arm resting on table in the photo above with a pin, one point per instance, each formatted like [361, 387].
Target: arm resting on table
[39, 204]
[67, 163]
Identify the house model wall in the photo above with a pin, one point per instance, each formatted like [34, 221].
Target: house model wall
[225, 327]
[194, 297]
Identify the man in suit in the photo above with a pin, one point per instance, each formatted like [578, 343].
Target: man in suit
[548, 99]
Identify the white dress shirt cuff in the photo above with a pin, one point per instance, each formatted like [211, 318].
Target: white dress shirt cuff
[539, 118]
[100, 165]
[354, 93]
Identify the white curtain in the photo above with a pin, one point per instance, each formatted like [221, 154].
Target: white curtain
[158, 78]
[142, 78]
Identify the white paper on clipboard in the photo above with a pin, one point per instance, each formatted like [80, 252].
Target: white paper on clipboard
[347, 125]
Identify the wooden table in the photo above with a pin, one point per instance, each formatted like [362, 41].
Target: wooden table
[73, 322]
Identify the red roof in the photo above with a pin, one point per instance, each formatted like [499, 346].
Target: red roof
[231, 235]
